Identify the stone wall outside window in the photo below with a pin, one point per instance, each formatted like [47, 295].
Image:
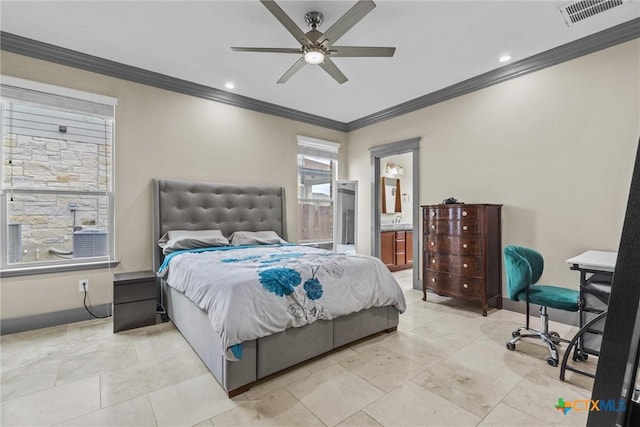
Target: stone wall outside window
[47, 219]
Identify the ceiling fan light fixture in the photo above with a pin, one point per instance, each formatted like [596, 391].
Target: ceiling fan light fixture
[317, 47]
[314, 55]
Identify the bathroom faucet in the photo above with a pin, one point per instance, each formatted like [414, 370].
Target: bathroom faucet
[398, 218]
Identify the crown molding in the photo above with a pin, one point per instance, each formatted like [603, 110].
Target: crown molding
[610, 37]
[59, 55]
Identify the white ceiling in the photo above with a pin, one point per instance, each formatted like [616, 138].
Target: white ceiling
[439, 43]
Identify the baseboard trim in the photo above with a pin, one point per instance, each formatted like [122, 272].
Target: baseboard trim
[45, 320]
[566, 317]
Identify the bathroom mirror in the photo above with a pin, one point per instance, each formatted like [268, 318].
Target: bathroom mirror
[391, 196]
[345, 216]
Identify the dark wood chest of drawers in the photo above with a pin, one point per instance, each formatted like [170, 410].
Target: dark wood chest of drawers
[462, 252]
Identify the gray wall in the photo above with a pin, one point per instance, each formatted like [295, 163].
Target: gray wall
[160, 134]
[556, 147]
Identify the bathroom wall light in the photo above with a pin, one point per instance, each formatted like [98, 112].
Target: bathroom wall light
[393, 169]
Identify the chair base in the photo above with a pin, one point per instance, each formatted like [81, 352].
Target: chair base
[551, 339]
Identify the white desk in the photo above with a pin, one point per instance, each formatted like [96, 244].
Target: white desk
[594, 261]
[593, 306]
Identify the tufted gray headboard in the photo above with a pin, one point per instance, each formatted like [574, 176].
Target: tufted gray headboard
[181, 205]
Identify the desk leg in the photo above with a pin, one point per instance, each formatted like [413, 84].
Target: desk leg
[578, 353]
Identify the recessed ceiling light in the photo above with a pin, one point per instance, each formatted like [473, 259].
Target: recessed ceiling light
[229, 85]
[505, 58]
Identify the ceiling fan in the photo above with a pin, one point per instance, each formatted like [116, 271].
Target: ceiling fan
[317, 47]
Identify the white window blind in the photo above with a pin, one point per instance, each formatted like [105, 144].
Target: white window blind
[36, 93]
[318, 148]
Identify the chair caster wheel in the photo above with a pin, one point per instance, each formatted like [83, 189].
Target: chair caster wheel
[580, 357]
[552, 361]
[515, 334]
[511, 346]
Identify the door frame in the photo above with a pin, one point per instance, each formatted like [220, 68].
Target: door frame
[412, 146]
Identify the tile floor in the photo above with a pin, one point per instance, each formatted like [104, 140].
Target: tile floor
[445, 366]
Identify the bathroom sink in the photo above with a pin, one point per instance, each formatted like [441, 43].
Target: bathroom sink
[402, 226]
[396, 226]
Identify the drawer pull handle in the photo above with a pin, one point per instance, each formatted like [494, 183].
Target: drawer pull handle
[465, 228]
[433, 243]
[465, 286]
[433, 279]
[464, 245]
[464, 213]
[433, 227]
[433, 214]
[465, 265]
[433, 261]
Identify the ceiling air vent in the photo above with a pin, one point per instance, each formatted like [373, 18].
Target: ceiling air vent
[577, 11]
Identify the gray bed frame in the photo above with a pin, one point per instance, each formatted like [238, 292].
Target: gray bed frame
[199, 206]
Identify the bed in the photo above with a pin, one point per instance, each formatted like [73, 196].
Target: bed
[181, 205]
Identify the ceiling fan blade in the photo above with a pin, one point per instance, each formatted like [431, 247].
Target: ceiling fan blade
[291, 71]
[348, 20]
[286, 21]
[346, 51]
[330, 67]
[267, 49]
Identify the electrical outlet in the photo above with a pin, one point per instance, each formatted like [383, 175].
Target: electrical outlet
[83, 284]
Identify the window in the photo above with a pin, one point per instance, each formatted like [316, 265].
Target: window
[317, 171]
[57, 178]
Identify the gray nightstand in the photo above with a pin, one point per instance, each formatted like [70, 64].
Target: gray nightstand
[134, 300]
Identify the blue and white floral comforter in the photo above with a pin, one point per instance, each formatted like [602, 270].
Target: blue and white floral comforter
[255, 291]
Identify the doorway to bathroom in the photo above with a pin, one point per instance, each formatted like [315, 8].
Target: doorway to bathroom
[395, 217]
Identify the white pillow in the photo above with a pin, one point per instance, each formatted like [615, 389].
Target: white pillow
[255, 238]
[176, 240]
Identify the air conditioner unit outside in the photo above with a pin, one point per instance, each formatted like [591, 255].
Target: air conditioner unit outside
[14, 242]
[90, 243]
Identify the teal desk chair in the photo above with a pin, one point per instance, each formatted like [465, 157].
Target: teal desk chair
[524, 267]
